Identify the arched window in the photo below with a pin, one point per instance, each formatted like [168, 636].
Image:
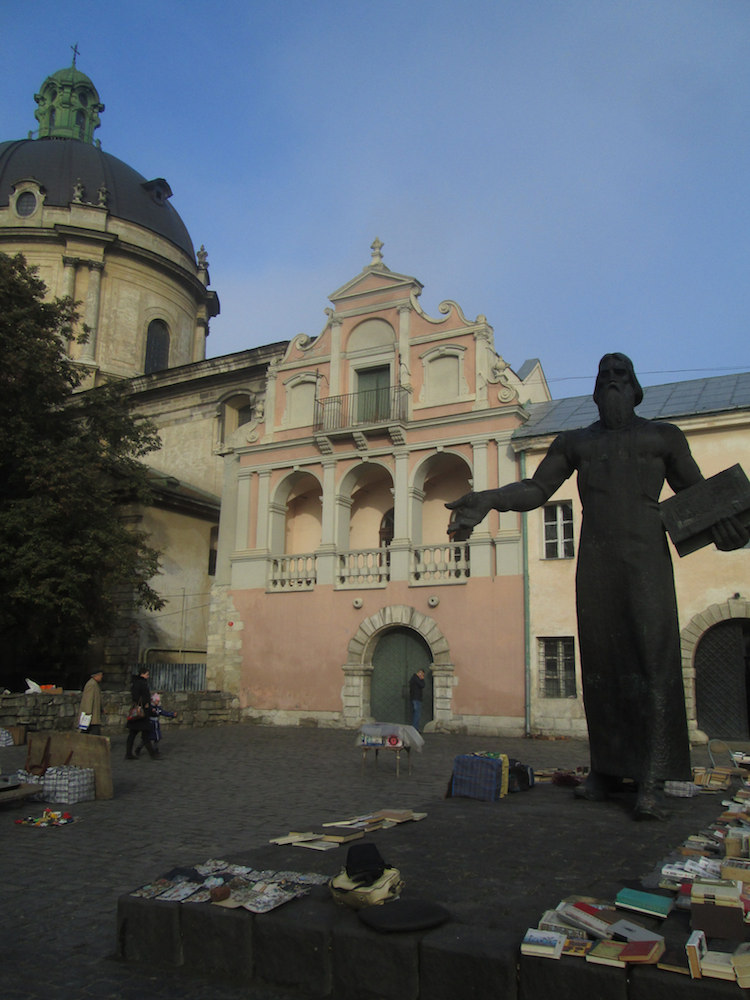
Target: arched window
[157, 347]
[386, 529]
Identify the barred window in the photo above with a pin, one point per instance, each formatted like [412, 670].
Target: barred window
[557, 672]
[558, 530]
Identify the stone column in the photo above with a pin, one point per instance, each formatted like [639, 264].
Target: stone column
[68, 289]
[326, 551]
[400, 547]
[264, 490]
[91, 311]
[480, 543]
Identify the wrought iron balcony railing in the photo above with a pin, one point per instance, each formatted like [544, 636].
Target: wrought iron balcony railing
[358, 409]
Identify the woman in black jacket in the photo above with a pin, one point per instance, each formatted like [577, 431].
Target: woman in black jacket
[141, 694]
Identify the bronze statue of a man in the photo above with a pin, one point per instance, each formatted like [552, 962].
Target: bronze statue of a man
[627, 612]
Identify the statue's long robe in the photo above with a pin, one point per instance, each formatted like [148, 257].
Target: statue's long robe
[627, 613]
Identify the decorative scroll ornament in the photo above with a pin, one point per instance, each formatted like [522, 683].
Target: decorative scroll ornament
[499, 375]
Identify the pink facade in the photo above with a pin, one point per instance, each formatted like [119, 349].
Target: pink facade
[336, 576]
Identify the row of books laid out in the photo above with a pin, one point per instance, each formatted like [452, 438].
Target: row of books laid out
[353, 828]
[703, 887]
[601, 933]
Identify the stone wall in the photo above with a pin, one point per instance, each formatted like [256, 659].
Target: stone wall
[46, 712]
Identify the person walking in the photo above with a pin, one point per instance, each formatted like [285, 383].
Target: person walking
[90, 709]
[140, 722]
[416, 694]
[154, 724]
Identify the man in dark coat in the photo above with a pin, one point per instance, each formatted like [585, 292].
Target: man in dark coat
[627, 612]
[416, 694]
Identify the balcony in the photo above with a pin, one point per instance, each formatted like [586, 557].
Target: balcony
[429, 565]
[361, 411]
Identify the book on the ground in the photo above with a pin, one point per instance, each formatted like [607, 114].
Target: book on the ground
[722, 891]
[736, 868]
[577, 947]
[695, 949]
[343, 838]
[546, 944]
[718, 965]
[674, 959]
[644, 952]
[593, 919]
[741, 962]
[644, 902]
[629, 930]
[294, 838]
[553, 920]
[607, 953]
[316, 845]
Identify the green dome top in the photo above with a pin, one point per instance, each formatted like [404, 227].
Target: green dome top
[69, 106]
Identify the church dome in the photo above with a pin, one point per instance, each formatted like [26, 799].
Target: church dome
[63, 166]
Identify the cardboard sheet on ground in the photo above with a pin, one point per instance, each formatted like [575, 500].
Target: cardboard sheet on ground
[78, 749]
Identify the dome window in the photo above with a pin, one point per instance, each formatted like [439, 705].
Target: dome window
[26, 204]
[157, 347]
[159, 190]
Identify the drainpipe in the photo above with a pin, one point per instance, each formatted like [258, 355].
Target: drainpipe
[526, 610]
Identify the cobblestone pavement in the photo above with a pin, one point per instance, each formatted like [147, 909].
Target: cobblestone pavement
[224, 792]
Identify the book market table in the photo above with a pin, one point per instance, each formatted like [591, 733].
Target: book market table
[379, 736]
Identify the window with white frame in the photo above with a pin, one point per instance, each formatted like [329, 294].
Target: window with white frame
[557, 668]
[558, 530]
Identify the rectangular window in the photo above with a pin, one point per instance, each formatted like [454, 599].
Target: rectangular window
[557, 668]
[558, 530]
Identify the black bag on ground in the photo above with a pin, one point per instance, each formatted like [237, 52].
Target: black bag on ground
[520, 776]
[364, 863]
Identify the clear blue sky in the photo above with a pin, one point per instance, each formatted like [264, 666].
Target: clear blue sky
[576, 170]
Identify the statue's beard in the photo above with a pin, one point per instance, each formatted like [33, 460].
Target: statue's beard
[616, 406]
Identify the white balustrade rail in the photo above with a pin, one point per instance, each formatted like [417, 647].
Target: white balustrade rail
[363, 567]
[293, 572]
[434, 563]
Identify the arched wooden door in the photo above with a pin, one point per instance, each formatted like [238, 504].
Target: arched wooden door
[400, 652]
[722, 685]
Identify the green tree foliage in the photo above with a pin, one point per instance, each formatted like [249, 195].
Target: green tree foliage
[70, 464]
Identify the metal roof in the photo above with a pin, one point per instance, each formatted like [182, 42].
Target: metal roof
[719, 394]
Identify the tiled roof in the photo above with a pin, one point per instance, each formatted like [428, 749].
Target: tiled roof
[719, 394]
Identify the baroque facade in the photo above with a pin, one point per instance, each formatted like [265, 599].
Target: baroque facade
[300, 486]
[336, 578]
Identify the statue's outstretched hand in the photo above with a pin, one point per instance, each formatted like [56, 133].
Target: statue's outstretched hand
[466, 513]
[729, 533]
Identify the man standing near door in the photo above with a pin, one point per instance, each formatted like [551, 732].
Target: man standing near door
[416, 693]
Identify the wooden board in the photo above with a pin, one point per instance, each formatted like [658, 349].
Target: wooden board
[82, 749]
[22, 792]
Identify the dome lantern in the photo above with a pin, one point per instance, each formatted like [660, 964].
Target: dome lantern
[69, 106]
